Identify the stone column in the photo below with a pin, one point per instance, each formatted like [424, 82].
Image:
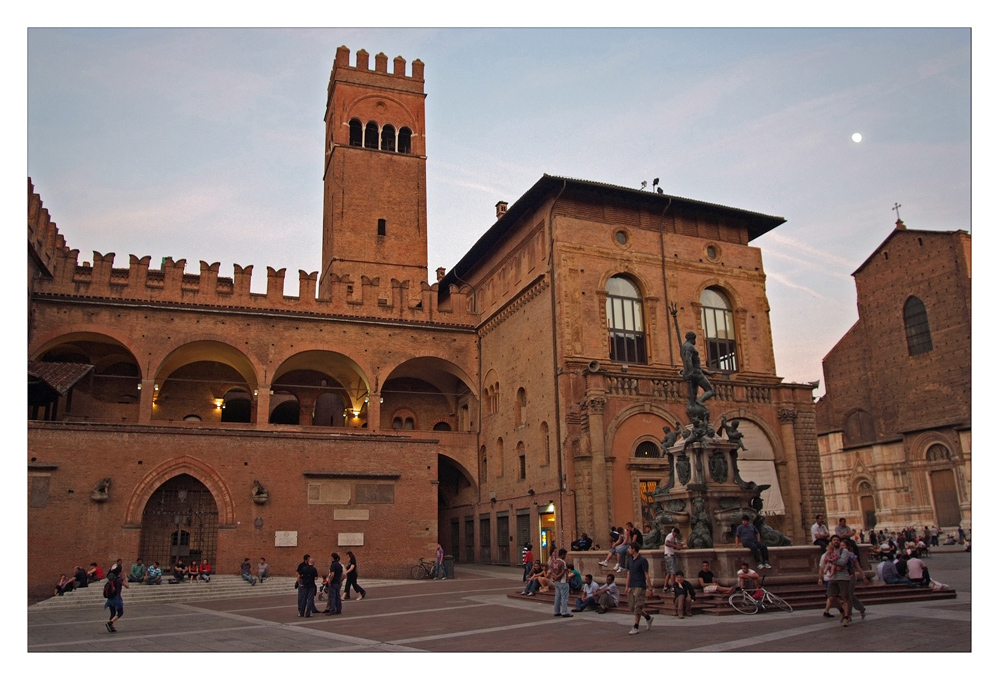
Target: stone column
[374, 411]
[263, 399]
[146, 395]
[598, 464]
[787, 418]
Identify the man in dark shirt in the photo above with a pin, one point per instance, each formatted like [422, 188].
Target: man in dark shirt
[706, 579]
[683, 595]
[749, 536]
[307, 590]
[636, 587]
[334, 604]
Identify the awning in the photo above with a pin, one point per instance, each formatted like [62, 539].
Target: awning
[764, 472]
[49, 380]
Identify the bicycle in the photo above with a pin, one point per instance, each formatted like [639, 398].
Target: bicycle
[745, 602]
[425, 569]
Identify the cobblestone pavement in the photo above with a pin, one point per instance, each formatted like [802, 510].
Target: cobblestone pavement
[473, 614]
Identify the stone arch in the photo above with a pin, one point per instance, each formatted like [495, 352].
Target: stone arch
[626, 270]
[92, 332]
[167, 470]
[921, 444]
[772, 437]
[627, 413]
[723, 285]
[208, 347]
[425, 364]
[358, 104]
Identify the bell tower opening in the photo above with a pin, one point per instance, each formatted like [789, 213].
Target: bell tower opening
[375, 171]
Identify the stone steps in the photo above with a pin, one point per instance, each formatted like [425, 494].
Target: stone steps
[222, 586]
[799, 597]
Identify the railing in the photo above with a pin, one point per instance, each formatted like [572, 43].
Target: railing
[675, 389]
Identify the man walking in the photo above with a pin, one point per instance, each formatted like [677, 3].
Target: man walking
[636, 586]
[112, 591]
[559, 572]
[840, 585]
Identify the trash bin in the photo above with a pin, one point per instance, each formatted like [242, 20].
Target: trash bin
[449, 566]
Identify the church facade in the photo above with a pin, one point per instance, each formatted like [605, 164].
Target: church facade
[520, 397]
[895, 422]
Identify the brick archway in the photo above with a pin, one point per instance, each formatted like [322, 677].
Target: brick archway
[177, 466]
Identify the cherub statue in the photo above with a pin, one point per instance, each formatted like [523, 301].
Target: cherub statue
[732, 431]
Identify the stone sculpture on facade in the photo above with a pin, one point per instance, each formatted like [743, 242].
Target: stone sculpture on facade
[259, 493]
[101, 492]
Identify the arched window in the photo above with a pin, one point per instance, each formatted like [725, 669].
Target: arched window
[521, 407]
[371, 135]
[648, 450]
[485, 465]
[859, 428]
[236, 407]
[499, 457]
[546, 458]
[719, 330]
[917, 327]
[356, 133]
[388, 138]
[442, 427]
[405, 146]
[625, 327]
[521, 461]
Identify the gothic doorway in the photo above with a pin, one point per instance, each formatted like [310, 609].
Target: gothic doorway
[945, 498]
[181, 519]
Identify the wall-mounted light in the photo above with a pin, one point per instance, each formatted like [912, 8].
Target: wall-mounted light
[254, 393]
[551, 506]
[139, 386]
[218, 403]
[156, 387]
[356, 412]
[365, 400]
[381, 400]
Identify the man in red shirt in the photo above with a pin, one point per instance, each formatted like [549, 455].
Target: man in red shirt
[528, 560]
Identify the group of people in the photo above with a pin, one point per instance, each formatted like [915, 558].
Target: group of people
[338, 577]
[246, 571]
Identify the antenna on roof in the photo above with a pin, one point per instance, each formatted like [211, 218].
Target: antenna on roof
[644, 184]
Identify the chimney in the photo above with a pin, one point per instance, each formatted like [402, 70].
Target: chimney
[501, 209]
[441, 272]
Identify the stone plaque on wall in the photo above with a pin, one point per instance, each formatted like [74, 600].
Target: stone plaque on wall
[350, 540]
[329, 492]
[375, 493]
[285, 539]
[345, 514]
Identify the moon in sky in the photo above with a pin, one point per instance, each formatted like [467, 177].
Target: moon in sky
[857, 137]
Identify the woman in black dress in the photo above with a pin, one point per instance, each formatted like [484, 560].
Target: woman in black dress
[351, 574]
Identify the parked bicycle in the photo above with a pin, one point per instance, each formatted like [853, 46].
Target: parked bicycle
[425, 569]
[751, 601]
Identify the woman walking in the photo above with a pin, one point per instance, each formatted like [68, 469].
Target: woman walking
[351, 575]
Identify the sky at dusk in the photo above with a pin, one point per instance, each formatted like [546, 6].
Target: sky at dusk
[207, 144]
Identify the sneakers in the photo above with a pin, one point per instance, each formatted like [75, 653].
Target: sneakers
[566, 616]
[618, 569]
[863, 615]
[362, 596]
[601, 610]
[633, 631]
[603, 564]
[759, 566]
[648, 623]
[576, 609]
[847, 621]
[766, 565]
[109, 627]
[828, 615]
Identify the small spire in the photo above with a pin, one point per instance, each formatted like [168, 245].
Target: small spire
[899, 224]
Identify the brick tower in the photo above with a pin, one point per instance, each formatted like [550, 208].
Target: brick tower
[375, 189]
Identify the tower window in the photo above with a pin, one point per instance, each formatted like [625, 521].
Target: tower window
[624, 322]
[381, 227]
[371, 135]
[917, 327]
[719, 330]
[405, 135]
[388, 138]
[356, 133]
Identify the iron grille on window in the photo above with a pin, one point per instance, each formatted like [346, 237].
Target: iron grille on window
[648, 450]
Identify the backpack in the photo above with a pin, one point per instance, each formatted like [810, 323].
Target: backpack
[110, 589]
[575, 582]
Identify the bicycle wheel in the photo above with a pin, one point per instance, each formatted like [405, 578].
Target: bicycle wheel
[742, 602]
[780, 602]
[418, 572]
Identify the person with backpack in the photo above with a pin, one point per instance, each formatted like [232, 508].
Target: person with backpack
[112, 591]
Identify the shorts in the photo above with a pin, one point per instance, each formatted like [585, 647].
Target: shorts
[670, 563]
[636, 600]
[839, 588]
[711, 588]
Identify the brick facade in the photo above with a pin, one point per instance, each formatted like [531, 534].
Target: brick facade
[895, 422]
[377, 408]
